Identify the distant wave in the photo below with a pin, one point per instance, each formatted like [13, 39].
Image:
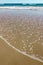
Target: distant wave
[20, 4]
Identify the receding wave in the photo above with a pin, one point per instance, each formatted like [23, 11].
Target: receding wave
[31, 56]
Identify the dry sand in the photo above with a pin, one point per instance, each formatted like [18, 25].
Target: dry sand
[24, 30]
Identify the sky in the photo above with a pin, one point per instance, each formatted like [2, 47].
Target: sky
[21, 1]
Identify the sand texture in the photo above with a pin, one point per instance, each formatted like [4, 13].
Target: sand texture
[24, 30]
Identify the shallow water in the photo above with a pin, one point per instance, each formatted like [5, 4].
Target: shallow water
[24, 30]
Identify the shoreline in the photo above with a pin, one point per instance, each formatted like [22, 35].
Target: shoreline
[11, 56]
[14, 48]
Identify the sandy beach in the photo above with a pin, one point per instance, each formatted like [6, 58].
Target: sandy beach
[23, 29]
[9, 56]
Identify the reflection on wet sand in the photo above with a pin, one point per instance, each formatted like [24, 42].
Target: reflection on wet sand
[23, 31]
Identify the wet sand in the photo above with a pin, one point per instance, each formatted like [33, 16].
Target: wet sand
[9, 56]
[24, 30]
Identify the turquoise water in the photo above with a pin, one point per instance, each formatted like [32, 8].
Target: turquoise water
[21, 4]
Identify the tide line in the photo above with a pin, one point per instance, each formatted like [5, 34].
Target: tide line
[32, 57]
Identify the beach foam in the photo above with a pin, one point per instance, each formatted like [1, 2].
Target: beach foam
[16, 7]
[31, 56]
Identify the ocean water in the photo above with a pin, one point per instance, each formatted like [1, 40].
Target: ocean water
[21, 4]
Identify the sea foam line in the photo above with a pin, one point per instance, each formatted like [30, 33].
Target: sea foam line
[14, 7]
[8, 43]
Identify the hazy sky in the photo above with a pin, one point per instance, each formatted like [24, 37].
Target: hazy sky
[21, 1]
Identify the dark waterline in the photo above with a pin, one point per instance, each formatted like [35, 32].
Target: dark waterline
[21, 4]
